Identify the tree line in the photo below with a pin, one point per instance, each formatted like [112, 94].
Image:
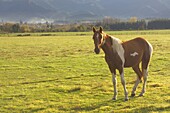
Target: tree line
[107, 23]
[134, 24]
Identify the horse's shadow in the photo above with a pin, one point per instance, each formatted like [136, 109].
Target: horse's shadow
[153, 109]
[31, 82]
[97, 106]
[92, 107]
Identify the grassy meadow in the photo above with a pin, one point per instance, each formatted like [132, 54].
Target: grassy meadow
[59, 72]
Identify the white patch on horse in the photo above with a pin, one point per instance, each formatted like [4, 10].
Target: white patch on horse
[114, 80]
[102, 40]
[97, 35]
[134, 54]
[117, 46]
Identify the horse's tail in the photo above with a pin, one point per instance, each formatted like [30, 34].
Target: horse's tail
[146, 57]
[150, 49]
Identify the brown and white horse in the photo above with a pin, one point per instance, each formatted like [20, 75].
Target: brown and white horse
[120, 54]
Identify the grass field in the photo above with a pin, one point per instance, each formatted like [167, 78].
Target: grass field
[60, 73]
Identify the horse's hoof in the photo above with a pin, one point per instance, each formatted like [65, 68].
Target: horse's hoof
[113, 98]
[126, 99]
[132, 95]
[141, 95]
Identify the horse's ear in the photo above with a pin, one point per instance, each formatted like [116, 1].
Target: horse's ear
[101, 29]
[94, 29]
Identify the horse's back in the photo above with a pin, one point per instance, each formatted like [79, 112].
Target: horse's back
[137, 44]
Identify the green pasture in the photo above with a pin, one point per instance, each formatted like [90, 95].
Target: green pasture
[58, 72]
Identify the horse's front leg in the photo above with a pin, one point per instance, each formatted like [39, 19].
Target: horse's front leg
[124, 84]
[114, 80]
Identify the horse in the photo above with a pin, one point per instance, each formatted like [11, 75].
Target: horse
[120, 55]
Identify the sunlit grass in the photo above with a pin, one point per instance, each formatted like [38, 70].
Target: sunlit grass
[62, 74]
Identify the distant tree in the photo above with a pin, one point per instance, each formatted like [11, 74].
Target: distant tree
[21, 22]
[159, 24]
[25, 28]
[15, 28]
[7, 27]
[47, 24]
[110, 20]
[133, 19]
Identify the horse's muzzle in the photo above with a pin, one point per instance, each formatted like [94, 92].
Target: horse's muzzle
[97, 50]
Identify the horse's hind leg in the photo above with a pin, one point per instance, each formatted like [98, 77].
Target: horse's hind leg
[145, 67]
[139, 75]
[145, 77]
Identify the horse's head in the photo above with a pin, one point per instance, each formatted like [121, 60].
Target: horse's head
[98, 38]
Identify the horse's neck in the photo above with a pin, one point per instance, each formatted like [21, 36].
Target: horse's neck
[115, 49]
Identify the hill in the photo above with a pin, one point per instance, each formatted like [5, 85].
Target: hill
[82, 9]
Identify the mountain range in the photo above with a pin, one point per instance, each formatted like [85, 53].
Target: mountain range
[69, 10]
